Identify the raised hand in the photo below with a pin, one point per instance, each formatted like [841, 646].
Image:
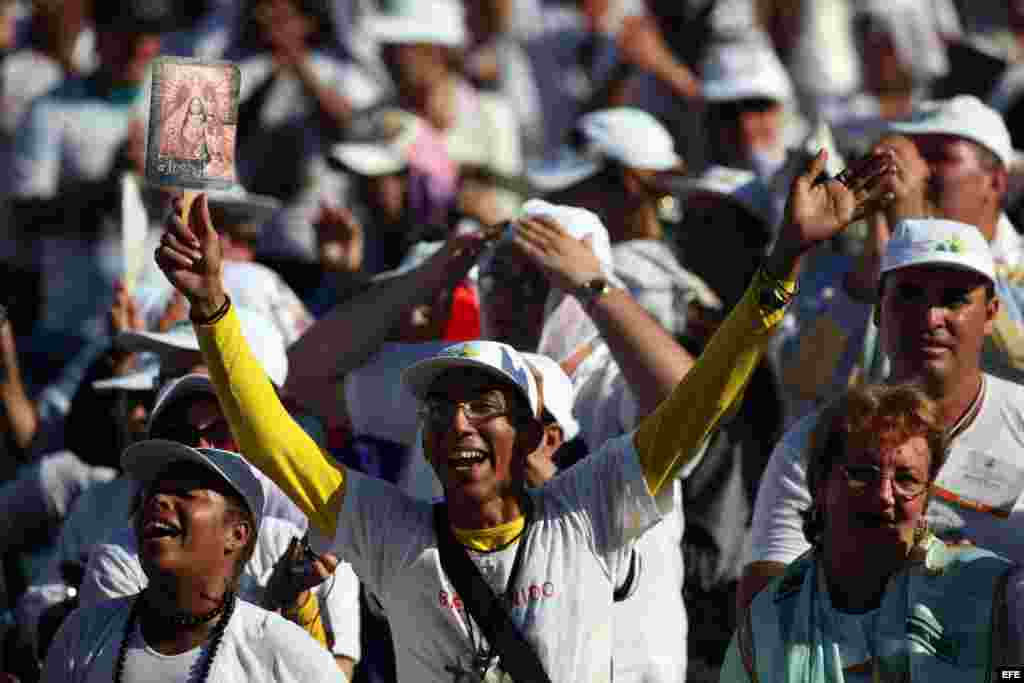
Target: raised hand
[191, 257]
[818, 211]
[566, 261]
[340, 239]
[295, 573]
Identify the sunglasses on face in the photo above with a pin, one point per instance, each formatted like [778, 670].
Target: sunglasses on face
[904, 484]
[217, 434]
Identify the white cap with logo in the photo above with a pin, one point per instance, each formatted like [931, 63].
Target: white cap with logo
[935, 242]
[497, 359]
[626, 135]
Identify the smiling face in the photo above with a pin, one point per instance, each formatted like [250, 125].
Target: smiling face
[191, 525]
[933, 322]
[477, 459]
[875, 516]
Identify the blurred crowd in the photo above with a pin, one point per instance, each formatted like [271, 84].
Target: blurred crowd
[596, 185]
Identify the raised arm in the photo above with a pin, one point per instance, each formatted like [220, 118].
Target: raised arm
[670, 437]
[345, 338]
[651, 360]
[190, 256]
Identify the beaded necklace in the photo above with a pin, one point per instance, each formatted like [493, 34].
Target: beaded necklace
[226, 608]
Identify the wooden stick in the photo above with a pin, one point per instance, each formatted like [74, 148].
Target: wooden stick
[186, 204]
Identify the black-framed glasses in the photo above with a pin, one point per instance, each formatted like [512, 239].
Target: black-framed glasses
[439, 412]
[904, 484]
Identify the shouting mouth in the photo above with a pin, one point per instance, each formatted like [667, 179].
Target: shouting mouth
[155, 529]
[466, 458]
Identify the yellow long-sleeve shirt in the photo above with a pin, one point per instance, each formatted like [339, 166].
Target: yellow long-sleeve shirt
[665, 440]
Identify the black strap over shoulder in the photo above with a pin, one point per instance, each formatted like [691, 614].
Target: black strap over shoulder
[490, 612]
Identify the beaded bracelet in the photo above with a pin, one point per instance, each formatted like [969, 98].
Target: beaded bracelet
[215, 317]
[774, 294]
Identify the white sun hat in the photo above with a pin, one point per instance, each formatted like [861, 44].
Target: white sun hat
[497, 359]
[431, 22]
[625, 135]
[557, 391]
[263, 336]
[383, 148]
[963, 116]
[928, 241]
[144, 461]
[743, 70]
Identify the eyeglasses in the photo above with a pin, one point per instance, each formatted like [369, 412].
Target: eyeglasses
[904, 484]
[439, 412]
[217, 434]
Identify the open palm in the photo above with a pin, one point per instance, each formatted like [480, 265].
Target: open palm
[817, 211]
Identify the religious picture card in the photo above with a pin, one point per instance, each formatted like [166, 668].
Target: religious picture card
[193, 121]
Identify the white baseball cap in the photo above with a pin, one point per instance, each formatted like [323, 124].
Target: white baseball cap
[497, 359]
[963, 116]
[626, 135]
[179, 387]
[143, 378]
[145, 460]
[264, 339]
[383, 148]
[739, 185]
[558, 393]
[431, 22]
[744, 70]
[929, 241]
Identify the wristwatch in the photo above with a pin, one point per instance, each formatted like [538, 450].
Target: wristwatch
[589, 292]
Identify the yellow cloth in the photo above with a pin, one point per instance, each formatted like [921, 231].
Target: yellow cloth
[670, 437]
[665, 441]
[309, 618]
[267, 435]
[493, 538]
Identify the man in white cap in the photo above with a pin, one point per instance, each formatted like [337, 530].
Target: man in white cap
[953, 157]
[196, 529]
[936, 306]
[480, 409]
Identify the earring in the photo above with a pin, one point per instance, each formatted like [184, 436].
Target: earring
[920, 531]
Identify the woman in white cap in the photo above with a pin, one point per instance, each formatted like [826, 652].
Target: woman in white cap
[196, 528]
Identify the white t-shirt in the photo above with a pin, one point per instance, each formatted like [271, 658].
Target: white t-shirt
[114, 571]
[578, 544]
[993, 443]
[258, 647]
[651, 623]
